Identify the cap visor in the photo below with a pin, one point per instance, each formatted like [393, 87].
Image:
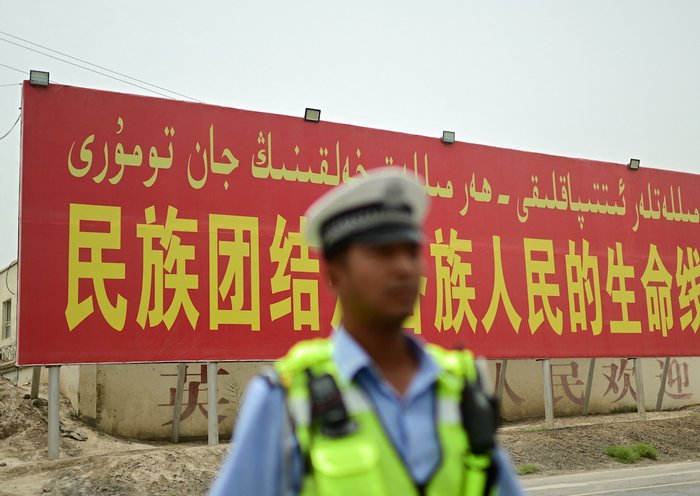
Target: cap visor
[388, 235]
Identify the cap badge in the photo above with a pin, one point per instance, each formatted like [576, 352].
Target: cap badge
[394, 195]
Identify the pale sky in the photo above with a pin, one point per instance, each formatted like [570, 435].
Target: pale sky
[603, 80]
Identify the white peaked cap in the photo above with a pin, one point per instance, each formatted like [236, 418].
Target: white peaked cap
[381, 206]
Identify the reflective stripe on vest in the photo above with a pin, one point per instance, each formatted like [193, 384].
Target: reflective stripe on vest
[366, 461]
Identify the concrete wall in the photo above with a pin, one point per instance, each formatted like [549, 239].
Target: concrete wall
[70, 383]
[138, 400]
[613, 387]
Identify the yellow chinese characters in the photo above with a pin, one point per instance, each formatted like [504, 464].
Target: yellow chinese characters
[94, 229]
[500, 292]
[166, 267]
[688, 281]
[413, 323]
[170, 291]
[583, 283]
[657, 287]
[537, 285]
[618, 271]
[303, 288]
[451, 282]
[234, 271]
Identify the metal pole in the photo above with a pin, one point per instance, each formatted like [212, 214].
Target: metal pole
[177, 411]
[639, 378]
[662, 388]
[482, 368]
[211, 396]
[500, 387]
[589, 385]
[548, 394]
[36, 379]
[54, 426]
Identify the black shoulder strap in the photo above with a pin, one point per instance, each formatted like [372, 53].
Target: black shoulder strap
[327, 407]
[480, 417]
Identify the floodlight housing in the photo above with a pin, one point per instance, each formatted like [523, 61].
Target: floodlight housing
[634, 164]
[38, 78]
[312, 115]
[448, 137]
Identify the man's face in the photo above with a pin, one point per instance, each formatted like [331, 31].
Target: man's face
[378, 284]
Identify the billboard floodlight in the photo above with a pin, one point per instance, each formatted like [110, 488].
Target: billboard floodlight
[312, 115]
[448, 137]
[39, 78]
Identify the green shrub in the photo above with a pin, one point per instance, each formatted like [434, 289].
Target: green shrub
[630, 454]
[645, 450]
[623, 454]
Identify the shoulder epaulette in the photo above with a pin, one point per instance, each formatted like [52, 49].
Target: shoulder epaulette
[456, 362]
[304, 355]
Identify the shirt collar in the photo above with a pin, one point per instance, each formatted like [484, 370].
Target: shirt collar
[351, 358]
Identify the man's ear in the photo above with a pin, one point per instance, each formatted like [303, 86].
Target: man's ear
[335, 268]
[334, 272]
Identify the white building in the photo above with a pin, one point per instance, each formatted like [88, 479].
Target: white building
[8, 314]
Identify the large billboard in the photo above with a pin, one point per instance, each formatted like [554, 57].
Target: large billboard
[157, 230]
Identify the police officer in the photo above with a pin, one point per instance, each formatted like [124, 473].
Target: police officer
[372, 410]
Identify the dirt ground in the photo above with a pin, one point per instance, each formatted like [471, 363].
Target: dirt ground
[94, 463]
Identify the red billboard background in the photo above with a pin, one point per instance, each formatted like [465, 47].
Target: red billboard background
[156, 230]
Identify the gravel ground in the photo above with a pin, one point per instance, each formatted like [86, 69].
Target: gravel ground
[579, 443]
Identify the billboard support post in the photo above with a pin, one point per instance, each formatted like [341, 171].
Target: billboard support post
[662, 386]
[501, 381]
[639, 378]
[211, 396]
[589, 385]
[54, 426]
[177, 411]
[548, 395]
[36, 379]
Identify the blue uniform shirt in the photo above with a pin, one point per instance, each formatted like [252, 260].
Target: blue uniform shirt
[265, 459]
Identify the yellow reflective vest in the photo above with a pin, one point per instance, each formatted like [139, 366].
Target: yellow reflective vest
[365, 462]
